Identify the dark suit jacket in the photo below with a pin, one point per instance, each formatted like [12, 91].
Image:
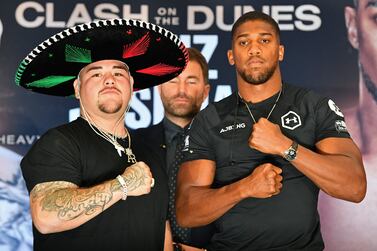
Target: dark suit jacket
[154, 138]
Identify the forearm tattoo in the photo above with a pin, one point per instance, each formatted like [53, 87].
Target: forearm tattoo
[70, 202]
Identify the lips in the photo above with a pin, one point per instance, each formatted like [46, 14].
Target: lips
[109, 90]
[255, 62]
[182, 100]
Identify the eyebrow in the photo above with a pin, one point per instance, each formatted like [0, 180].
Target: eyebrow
[93, 68]
[122, 67]
[193, 76]
[260, 34]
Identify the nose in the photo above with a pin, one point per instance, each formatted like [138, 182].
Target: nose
[109, 79]
[182, 87]
[254, 49]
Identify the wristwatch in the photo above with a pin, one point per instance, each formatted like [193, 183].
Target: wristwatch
[291, 152]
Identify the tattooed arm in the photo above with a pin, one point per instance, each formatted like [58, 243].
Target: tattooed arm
[59, 205]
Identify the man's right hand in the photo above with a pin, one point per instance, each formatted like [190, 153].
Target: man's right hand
[138, 178]
[263, 182]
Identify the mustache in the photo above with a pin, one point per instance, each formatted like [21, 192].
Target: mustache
[181, 95]
[256, 58]
[109, 88]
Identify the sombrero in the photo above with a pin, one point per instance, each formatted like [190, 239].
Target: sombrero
[153, 54]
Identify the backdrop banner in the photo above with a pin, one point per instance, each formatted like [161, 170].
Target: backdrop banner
[318, 55]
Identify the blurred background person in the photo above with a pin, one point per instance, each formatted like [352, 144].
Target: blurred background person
[15, 220]
[348, 226]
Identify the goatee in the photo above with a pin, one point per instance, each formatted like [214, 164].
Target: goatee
[258, 78]
[109, 110]
[371, 86]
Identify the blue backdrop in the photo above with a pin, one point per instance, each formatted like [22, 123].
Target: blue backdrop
[318, 56]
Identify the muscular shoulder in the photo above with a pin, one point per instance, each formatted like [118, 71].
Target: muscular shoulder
[302, 96]
[217, 112]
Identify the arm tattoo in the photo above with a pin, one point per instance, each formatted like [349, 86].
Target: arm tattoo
[69, 201]
[135, 177]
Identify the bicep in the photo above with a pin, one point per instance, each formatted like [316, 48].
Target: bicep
[198, 173]
[339, 146]
[42, 193]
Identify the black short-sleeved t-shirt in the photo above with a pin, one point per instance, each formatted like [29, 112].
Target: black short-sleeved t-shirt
[288, 221]
[74, 153]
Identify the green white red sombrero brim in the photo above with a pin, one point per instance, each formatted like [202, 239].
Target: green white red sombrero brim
[153, 54]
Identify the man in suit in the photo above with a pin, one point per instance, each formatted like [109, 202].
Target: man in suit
[182, 98]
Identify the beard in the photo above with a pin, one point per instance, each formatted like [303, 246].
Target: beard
[186, 111]
[109, 108]
[108, 104]
[371, 86]
[259, 78]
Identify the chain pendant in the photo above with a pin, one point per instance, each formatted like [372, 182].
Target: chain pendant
[130, 155]
[119, 149]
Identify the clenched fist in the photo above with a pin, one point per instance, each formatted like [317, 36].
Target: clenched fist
[263, 182]
[267, 137]
[138, 178]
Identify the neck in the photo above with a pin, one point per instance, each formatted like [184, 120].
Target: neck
[110, 123]
[179, 121]
[257, 93]
[368, 122]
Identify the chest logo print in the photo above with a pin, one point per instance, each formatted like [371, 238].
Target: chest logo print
[232, 127]
[290, 120]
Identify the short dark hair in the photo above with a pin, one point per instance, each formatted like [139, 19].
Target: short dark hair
[195, 55]
[256, 15]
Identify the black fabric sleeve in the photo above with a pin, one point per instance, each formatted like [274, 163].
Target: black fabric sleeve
[54, 157]
[198, 143]
[329, 120]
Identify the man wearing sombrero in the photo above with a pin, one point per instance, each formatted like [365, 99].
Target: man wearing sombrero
[91, 188]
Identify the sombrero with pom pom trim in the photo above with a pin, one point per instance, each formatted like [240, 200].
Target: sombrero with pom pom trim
[153, 54]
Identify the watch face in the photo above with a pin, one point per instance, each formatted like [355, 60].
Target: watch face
[290, 155]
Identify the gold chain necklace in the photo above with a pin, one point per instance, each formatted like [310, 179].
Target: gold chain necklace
[111, 138]
[272, 109]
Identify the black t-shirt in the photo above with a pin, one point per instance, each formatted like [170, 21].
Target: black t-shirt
[288, 221]
[74, 153]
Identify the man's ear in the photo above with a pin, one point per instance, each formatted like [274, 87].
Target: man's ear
[230, 57]
[207, 88]
[351, 24]
[281, 52]
[76, 86]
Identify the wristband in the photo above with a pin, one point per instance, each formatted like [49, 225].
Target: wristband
[123, 186]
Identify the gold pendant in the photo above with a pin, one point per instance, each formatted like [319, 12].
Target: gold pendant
[131, 156]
